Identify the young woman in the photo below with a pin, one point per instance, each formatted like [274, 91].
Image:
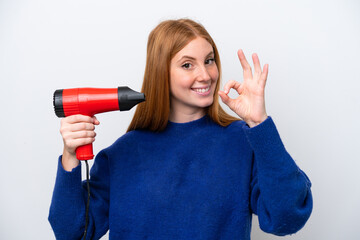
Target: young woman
[185, 169]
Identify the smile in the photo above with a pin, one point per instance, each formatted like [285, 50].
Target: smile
[202, 91]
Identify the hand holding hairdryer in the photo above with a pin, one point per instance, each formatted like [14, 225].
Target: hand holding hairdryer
[90, 101]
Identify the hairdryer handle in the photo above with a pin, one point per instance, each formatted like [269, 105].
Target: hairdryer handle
[85, 152]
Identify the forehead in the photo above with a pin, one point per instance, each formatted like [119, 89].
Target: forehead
[197, 48]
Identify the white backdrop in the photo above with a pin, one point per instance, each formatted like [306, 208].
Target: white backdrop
[312, 48]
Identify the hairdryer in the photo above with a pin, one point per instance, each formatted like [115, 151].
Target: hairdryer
[90, 101]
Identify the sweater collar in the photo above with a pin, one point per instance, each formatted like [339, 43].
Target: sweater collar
[192, 124]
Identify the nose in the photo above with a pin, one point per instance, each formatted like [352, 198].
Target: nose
[203, 74]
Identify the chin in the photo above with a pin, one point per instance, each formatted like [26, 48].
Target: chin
[207, 104]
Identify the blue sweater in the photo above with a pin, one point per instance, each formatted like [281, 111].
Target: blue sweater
[194, 180]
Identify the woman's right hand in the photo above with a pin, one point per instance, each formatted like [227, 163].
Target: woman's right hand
[76, 131]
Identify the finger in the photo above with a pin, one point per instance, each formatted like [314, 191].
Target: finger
[78, 118]
[264, 75]
[245, 65]
[257, 67]
[226, 99]
[75, 143]
[82, 126]
[96, 121]
[77, 127]
[232, 84]
[79, 134]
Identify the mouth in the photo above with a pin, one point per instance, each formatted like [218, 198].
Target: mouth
[202, 91]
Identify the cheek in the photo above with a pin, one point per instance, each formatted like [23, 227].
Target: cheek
[214, 74]
[178, 83]
[180, 80]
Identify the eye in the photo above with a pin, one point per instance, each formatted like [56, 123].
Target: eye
[210, 61]
[186, 65]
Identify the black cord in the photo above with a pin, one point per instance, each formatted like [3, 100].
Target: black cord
[88, 200]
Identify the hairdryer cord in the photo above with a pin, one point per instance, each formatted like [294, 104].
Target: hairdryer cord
[88, 200]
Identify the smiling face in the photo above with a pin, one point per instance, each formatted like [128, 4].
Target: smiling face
[193, 77]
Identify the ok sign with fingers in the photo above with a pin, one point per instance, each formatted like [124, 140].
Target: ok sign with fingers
[250, 104]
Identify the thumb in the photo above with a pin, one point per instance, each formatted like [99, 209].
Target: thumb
[224, 97]
[96, 121]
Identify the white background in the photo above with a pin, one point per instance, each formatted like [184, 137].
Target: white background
[312, 93]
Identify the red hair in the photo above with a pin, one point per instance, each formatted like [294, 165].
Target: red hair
[167, 39]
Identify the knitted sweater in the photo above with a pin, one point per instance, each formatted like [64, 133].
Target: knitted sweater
[194, 180]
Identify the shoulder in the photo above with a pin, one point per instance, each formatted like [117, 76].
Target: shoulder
[133, 137]
[126, 142]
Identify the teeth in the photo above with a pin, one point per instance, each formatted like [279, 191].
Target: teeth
[201, 90]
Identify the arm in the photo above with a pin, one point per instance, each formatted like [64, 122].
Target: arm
[67, 209]
[280, 191]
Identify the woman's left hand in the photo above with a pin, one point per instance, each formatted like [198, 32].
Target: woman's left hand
[250, 104]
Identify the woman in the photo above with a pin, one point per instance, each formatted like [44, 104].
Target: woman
[185, 169]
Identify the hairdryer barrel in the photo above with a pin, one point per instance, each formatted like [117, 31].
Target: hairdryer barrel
[90, 101]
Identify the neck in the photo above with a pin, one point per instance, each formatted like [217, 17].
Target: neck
[183, 117]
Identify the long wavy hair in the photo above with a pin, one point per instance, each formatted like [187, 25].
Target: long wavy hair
[165, 40]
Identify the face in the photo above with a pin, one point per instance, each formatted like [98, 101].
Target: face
[193, 77]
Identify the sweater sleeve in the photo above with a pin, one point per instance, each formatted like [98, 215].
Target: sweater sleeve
[67, 209]
[280, 191]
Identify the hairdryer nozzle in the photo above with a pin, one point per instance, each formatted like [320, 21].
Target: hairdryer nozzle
[128, 98]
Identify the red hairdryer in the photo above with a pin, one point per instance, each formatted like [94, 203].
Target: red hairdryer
[90, 101]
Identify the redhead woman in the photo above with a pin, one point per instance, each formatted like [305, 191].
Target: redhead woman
[185, 169]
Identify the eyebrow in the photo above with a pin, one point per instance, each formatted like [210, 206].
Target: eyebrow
[192, 58]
